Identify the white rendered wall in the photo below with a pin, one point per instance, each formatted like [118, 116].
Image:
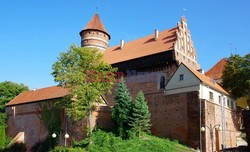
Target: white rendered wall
[205, 95]
[189, 83]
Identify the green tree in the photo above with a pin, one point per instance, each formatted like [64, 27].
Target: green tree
[140, 117]
[8, 91]
[72, 71]
[122, 109]
[236, 75]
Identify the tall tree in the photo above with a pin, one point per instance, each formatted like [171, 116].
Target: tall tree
[8, 91]
[122, 109]
[72, 71]
[140, 117]
[236, 75]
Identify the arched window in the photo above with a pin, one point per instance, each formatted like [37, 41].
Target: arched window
[162, 82]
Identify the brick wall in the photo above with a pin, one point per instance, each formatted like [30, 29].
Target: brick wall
[212, 115]
[26, 119]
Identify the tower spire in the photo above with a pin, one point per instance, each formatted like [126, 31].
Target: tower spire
[94, 34]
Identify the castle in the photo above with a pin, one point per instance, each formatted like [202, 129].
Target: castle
[181, 98]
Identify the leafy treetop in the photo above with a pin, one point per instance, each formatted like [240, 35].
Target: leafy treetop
[236, 75]
[71, 71]
[8, 91]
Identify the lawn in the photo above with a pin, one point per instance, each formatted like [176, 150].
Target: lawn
[102, 141]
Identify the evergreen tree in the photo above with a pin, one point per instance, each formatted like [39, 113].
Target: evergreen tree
[122, 109]
[140, 117]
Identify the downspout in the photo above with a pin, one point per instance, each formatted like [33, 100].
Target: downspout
[201, 96]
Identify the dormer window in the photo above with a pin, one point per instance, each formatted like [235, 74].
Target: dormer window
[162, 82]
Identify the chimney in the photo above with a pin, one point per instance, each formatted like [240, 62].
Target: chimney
[201, 71]
[121, 44]
[156, 34]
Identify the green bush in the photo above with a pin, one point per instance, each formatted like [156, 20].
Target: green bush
[44, 146]
[16, 147]
[64, 149]
[2, 137]
[102, 141]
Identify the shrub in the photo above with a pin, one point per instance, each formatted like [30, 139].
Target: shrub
[44, 146]
[65, 149]
[16, 147]
[2, 137]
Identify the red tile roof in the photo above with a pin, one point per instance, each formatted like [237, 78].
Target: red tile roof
[135, 49]
[216, 71]
[207, 80]
[96, 24]
[39, 95]
[142, 47]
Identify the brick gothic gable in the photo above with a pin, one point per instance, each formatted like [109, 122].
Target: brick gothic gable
[177, 39]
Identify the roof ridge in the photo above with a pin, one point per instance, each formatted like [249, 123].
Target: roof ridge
[44, 88]
[145, 36]
[214, 84]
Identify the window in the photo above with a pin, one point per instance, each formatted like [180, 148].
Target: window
[220, 100]
[181, 77]
[211, 95]
[162, 82]
[228, 103]
[232, 104]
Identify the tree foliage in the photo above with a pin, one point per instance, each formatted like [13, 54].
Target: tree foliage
[122, 109]
[236, 75]
[140, 116]
[8, 91]
[70, 71]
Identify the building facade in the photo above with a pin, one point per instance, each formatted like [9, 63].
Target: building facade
[148, 64]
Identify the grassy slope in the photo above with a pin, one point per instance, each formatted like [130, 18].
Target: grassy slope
[107, 142]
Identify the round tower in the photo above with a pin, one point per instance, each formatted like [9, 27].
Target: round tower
[95, 34]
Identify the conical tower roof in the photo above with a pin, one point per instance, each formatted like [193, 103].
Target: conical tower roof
[96, 24]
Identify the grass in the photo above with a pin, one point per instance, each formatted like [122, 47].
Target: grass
[102, 141]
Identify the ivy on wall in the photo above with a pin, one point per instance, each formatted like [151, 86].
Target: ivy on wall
[49, 112]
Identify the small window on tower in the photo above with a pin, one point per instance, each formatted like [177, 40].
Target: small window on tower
[181, 77]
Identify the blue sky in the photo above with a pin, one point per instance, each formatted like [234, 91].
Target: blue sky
[33, 33]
